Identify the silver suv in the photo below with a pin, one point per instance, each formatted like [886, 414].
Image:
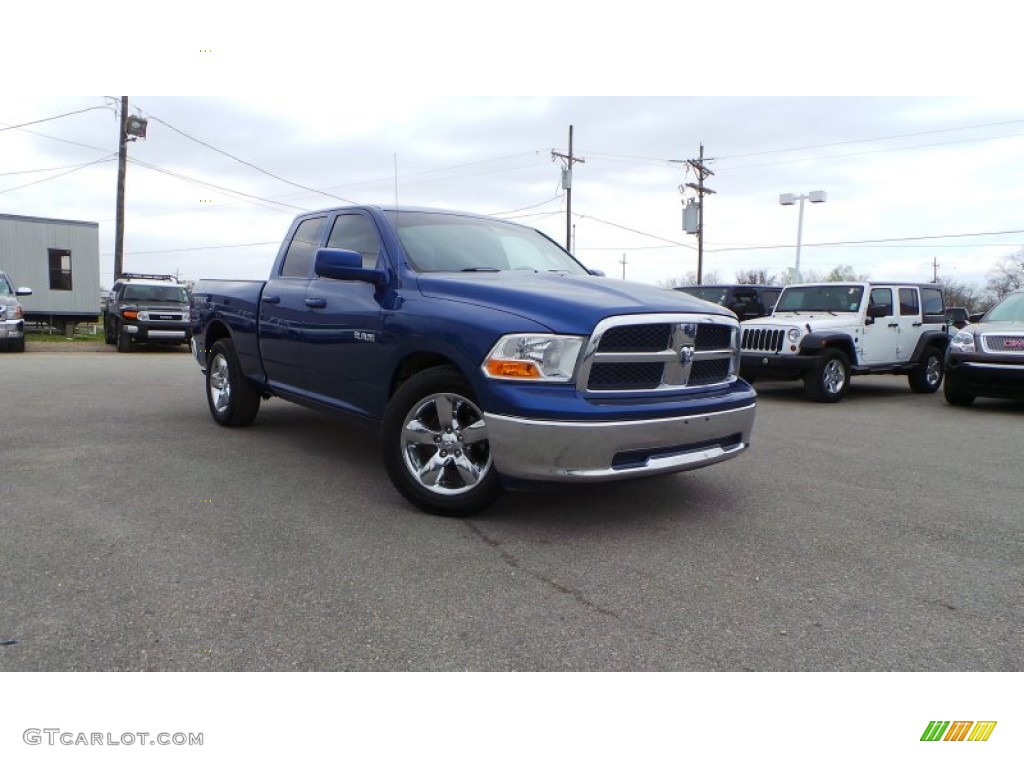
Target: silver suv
[12, 316]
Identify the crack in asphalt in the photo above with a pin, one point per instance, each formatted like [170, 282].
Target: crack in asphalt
[561, 588]
[580, 598]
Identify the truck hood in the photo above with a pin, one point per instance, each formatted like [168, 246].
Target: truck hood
[818, 321]
[564, 303]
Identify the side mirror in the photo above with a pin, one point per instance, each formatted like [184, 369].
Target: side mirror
[877, 310]
[23, 291]
[976, 317]
[338, 264]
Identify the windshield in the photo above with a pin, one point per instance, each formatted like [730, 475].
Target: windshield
[440, 242]
[714, 295]
[820, 298]
[155, 293]
[1009, 310]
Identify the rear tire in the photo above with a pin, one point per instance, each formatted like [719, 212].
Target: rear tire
[927, 377]
[233, 400]
[435, 446]
[828, 380]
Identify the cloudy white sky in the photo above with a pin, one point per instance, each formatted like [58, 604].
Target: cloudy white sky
[911, 180]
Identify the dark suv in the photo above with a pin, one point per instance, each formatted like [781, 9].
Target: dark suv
[986, 358]
[146, 309]
[747, 301]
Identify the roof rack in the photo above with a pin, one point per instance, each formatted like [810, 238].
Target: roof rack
[142, 276]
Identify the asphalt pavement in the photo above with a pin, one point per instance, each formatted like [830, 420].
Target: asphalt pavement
[882, 533]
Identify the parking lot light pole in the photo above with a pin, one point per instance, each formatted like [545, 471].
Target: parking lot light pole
[817, 196]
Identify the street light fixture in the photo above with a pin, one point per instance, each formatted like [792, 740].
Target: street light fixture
[817, 196]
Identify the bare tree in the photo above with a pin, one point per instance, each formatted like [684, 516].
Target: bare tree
[756, 277]
[959, 294]
[1007, 275]
[843, 273]
[690, 278]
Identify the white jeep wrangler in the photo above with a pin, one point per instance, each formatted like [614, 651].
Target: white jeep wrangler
[826, 332]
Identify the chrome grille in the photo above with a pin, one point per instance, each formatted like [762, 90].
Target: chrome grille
[647, 353]
[762, 340]
[1002, 342]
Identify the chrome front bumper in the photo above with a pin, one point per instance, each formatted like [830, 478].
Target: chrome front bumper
[12, 329]
[588, 451]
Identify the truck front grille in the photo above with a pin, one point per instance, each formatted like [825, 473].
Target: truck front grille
[762, 340]
[651, 353]
[1002, 342]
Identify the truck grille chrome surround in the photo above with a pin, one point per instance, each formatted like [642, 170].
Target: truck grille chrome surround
[658, 353]
[1003, 343]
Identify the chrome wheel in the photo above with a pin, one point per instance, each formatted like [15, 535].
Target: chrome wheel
[833, 377]
[933, 372]
[444, 444]
[220, 384]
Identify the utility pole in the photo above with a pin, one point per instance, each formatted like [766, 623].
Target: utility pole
[935, 269]
[132, 128]
[122, 160]
[623, 262]
[702, 172]
[567, 186]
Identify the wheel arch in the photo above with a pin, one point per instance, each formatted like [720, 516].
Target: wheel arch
[816, 343]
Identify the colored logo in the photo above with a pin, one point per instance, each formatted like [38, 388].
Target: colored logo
[958, 730]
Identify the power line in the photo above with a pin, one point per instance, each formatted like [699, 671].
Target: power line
[57, 176]
[183, 177]
[247, 163]
[866, 242]
[48, 119]
[635, 231]
[879, 138]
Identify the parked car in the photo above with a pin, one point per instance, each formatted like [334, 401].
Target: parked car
[986, 358]
[486, 355]
[825, 333]
[746, 301]
[146, 309]
[12, 315]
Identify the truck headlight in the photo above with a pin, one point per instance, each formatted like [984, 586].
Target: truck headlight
[144, 316]
[533, 357]
[963, 341]
[794, 334]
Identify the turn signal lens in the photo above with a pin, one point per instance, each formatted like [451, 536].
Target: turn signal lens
[130, 314]
[512, 369]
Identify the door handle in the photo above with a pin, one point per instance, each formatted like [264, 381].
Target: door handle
[316, 303]
[271, 299]
[894, 325]
[918, 325]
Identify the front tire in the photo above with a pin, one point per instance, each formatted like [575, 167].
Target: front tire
[956, 394]
[233, 400]
[435, 446]
[927, 377]
[124, 341]
[18, 345]
[828, 380]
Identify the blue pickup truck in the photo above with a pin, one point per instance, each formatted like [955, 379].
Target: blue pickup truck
[483, 351]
